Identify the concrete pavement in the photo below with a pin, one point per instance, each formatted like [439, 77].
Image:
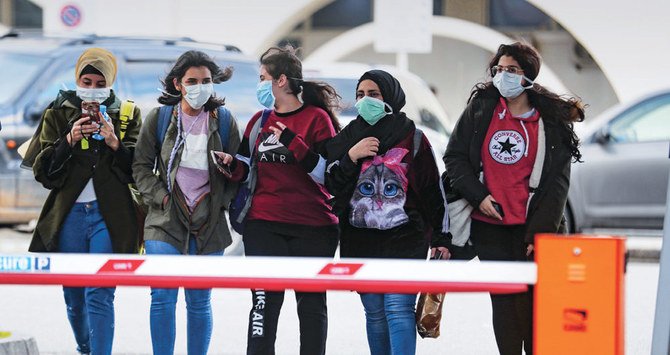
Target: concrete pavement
[39, 312]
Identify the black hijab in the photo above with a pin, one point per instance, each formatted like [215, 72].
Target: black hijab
[389, 130]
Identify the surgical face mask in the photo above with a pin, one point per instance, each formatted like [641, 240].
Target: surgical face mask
[372, 110]
[264, 94]
[509, 85]
[93, 94]
[198, 94]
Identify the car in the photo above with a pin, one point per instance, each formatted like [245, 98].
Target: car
[34, 67]
[623, 181]
[422, 106]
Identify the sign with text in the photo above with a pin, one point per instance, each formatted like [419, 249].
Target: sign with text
[403, 26]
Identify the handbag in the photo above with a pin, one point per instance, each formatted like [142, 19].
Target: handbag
[241, 203]
[429, 314]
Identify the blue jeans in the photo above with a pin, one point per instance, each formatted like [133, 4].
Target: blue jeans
[90, 310]
[164, 303]
[390, 323]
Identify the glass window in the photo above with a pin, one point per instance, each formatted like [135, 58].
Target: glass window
[516, 13]
[646, 122]
[64, 80]
[429, 120]
[144, 80]
[17, 71]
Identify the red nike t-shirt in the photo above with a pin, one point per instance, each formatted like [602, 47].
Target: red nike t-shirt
[285, 192]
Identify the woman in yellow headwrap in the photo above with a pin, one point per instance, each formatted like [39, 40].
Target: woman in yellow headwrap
[86, 163]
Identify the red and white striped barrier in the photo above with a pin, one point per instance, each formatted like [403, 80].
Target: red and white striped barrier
[270, 273]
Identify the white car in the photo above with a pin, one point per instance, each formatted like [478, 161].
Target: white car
[421, 104]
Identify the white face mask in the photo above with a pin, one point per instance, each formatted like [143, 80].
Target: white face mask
[197, 95]
[509, 85]
[93, 94]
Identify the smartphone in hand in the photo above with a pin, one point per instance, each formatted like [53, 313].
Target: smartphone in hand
[498, 208]
[437, 256]
[223, 168]
[91, 109]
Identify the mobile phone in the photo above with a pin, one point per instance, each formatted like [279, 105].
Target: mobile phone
[498, 208]
[225, 169]
[91, 109]
[437, 256]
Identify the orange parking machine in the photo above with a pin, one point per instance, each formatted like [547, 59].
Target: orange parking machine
[579, 295]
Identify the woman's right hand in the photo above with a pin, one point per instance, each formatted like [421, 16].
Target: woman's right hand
[486, 207]
[366, 147]
[81, 128]
[225, 157]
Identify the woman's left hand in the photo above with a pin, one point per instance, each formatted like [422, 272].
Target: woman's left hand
[107, 131]
[277, 131]
[530, 249]
[445, 252]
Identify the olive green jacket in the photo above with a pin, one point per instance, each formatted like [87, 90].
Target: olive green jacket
[164, 224]
[66, 170]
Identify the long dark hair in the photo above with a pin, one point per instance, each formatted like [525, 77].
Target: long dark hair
[189, 59]
[278, 61]
[567, 109]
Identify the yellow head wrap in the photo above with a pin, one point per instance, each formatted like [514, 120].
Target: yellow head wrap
[100, 59]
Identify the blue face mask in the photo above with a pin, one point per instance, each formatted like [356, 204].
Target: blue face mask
[372, 110]
[509, 85]
[264, 94]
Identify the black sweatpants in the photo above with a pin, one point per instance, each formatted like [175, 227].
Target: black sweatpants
[263, 238]
[512, 313]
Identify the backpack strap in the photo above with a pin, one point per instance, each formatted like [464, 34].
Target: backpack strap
[418, 135]
[126, 115]
[224, 126]
[164, 115]
[256, 130]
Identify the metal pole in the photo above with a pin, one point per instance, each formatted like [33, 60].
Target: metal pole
[402, 61]
[7, 11]
[661, 339]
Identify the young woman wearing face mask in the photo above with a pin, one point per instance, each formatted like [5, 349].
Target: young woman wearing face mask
[289, 215]
[89, 209]
[188, 197]
[388, 200]
[513, 146]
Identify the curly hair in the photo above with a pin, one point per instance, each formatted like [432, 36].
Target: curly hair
[567, 109]
[172, 96]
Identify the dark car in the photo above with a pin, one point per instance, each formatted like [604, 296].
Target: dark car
[623, 180]
[34, 67]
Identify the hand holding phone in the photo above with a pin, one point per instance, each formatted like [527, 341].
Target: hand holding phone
[498, 208]
[223, 167]
[90, 109]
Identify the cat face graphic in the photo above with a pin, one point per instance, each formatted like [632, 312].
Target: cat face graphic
[380, 194]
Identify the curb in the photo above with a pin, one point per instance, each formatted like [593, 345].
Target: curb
[18, 344]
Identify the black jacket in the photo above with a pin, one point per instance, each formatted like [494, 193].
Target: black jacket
[66, 170]
[424, 207]
[463, 162]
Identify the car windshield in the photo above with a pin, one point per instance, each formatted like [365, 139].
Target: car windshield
[239, 91]
[16, 71]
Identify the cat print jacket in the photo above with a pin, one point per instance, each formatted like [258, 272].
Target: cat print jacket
[395, 208]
